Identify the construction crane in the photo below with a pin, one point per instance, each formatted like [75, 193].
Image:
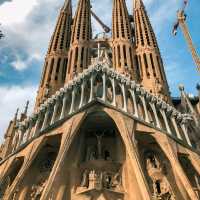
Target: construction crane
[105, 27]
[181, 21]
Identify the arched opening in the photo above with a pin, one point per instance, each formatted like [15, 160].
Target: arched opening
[10, 176]
[36, 177]
[96, 164]
[157, 169]
[191, 173]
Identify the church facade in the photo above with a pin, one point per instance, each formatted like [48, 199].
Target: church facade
[104, 126]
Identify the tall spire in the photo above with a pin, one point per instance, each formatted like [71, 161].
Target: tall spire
[55, 66]
[123, 53]
[148, 60]
[79, 55]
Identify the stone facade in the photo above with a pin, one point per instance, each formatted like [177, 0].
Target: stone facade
[104, 125]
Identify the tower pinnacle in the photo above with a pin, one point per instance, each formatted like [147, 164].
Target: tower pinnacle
[79, 55]
[123, 54]
[149, 61]
[55, 65]
[24, 114]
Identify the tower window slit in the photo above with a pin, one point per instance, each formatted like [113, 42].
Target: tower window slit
[63, 33]
[146, 65]
[82, 57]
[141, 35]
[51, 69]
[64, 68]
[57, 69]
[70, 60]
[153, 66]
[137, 66]
[125, 58]
[140, 65]
[119, 56]
[131, 56]
[159, 64]
[44, 74]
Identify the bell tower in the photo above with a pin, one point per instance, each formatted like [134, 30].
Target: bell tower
[55, 66]
[79, 55]
[122, 47]
[148, 59]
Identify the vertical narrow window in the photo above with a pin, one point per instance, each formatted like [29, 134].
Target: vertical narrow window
[44, 74]
[125, 58]
[146, 65]
[57, 69]
[82, 57]
[70, 62]
[137, 67]
[51, 69]
[159, 65]
[119, 56]
[131, 56]
[153, 66]
[65, 62]
[140, 65]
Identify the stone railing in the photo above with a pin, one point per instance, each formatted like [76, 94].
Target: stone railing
[103, 84]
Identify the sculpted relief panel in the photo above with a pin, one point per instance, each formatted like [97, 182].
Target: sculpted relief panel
[100, 173]
[157, 172]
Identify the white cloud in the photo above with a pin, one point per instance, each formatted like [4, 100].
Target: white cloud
[21, 64]
[16, 11]
[11, 99]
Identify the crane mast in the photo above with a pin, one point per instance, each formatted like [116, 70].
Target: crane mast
[182, 23]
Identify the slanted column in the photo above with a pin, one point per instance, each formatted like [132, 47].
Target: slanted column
[185, 131]
[72, 101]
[114, 92]
[21, 134]
[162, 110]
[82, 94]
[64, 105]
[134, 99]
[152, 104]
[174, 122]
[15, 141]
[37, 125]
[145, 106]
[103, 98]
[91, 88]
[46, 117]
[124, 97]
[55, 110]
[31, 124]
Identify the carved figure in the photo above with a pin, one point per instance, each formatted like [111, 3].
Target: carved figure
[107, 180]
[85, 180]
[36, 190]
[163, 190]
[116, 180]
[99, 144]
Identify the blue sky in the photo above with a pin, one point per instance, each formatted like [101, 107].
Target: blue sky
[28, 26]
